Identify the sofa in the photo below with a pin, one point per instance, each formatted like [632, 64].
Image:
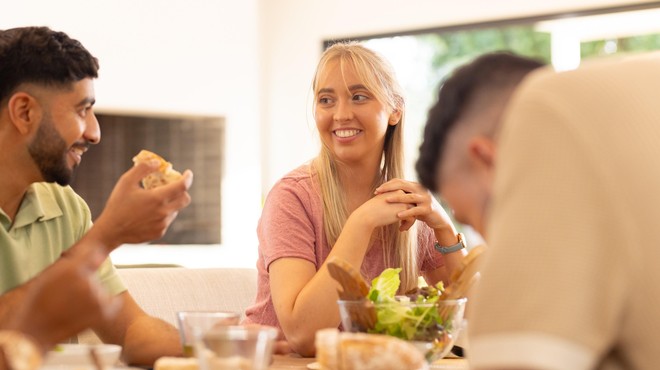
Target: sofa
[162, 291]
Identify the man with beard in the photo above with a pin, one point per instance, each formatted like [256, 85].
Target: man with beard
[46, 125]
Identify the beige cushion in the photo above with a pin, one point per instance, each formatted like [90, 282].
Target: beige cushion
[161, 292]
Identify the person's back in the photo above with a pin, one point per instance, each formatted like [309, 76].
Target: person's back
[571, 281]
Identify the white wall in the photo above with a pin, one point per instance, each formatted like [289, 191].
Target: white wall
[193, 56]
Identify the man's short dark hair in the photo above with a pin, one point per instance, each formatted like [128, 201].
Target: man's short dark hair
[490, 71]
[42, 56]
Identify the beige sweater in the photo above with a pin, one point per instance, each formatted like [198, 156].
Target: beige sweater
[572, 278]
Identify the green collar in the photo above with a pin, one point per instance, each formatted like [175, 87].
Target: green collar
[38, 205]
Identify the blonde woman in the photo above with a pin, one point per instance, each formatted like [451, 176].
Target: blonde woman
[349, 202]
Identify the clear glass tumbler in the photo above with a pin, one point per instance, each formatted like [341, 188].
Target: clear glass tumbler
[235, 347]
[201, 321]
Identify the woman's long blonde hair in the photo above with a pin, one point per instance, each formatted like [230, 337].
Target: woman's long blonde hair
[376, 74]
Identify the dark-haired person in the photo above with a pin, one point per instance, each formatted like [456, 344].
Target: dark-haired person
[47, 123]
[457, 155]
[571, 279]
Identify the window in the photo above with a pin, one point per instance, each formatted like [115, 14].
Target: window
[422, 59]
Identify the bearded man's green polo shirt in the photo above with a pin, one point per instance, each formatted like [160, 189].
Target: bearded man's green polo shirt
[51, 218]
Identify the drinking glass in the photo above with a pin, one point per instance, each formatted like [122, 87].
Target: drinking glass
[235, 347]
[191, 322]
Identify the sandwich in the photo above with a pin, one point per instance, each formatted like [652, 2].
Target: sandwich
[163, 176]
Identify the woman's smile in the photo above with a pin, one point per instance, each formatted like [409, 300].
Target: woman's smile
[349, 134]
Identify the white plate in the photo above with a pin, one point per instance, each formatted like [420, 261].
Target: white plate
[79, 355]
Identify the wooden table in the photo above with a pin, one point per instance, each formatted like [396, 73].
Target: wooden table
[290, 362]
[281, 362]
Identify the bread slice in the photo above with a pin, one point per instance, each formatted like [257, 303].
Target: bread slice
[176, 363]
[163, 176]
[466, 276]
[360, 351]
[353, 284]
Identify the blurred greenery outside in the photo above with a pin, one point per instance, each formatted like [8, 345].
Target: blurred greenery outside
[632, 44]
[423, 61]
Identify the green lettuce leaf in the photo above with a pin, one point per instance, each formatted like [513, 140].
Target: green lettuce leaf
[384, 287]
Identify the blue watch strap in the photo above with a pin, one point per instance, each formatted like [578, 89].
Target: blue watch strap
[452, 248]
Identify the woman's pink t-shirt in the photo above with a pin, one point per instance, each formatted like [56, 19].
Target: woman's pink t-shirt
[291, 226]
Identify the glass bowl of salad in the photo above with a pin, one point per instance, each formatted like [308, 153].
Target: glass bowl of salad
[421, 317]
